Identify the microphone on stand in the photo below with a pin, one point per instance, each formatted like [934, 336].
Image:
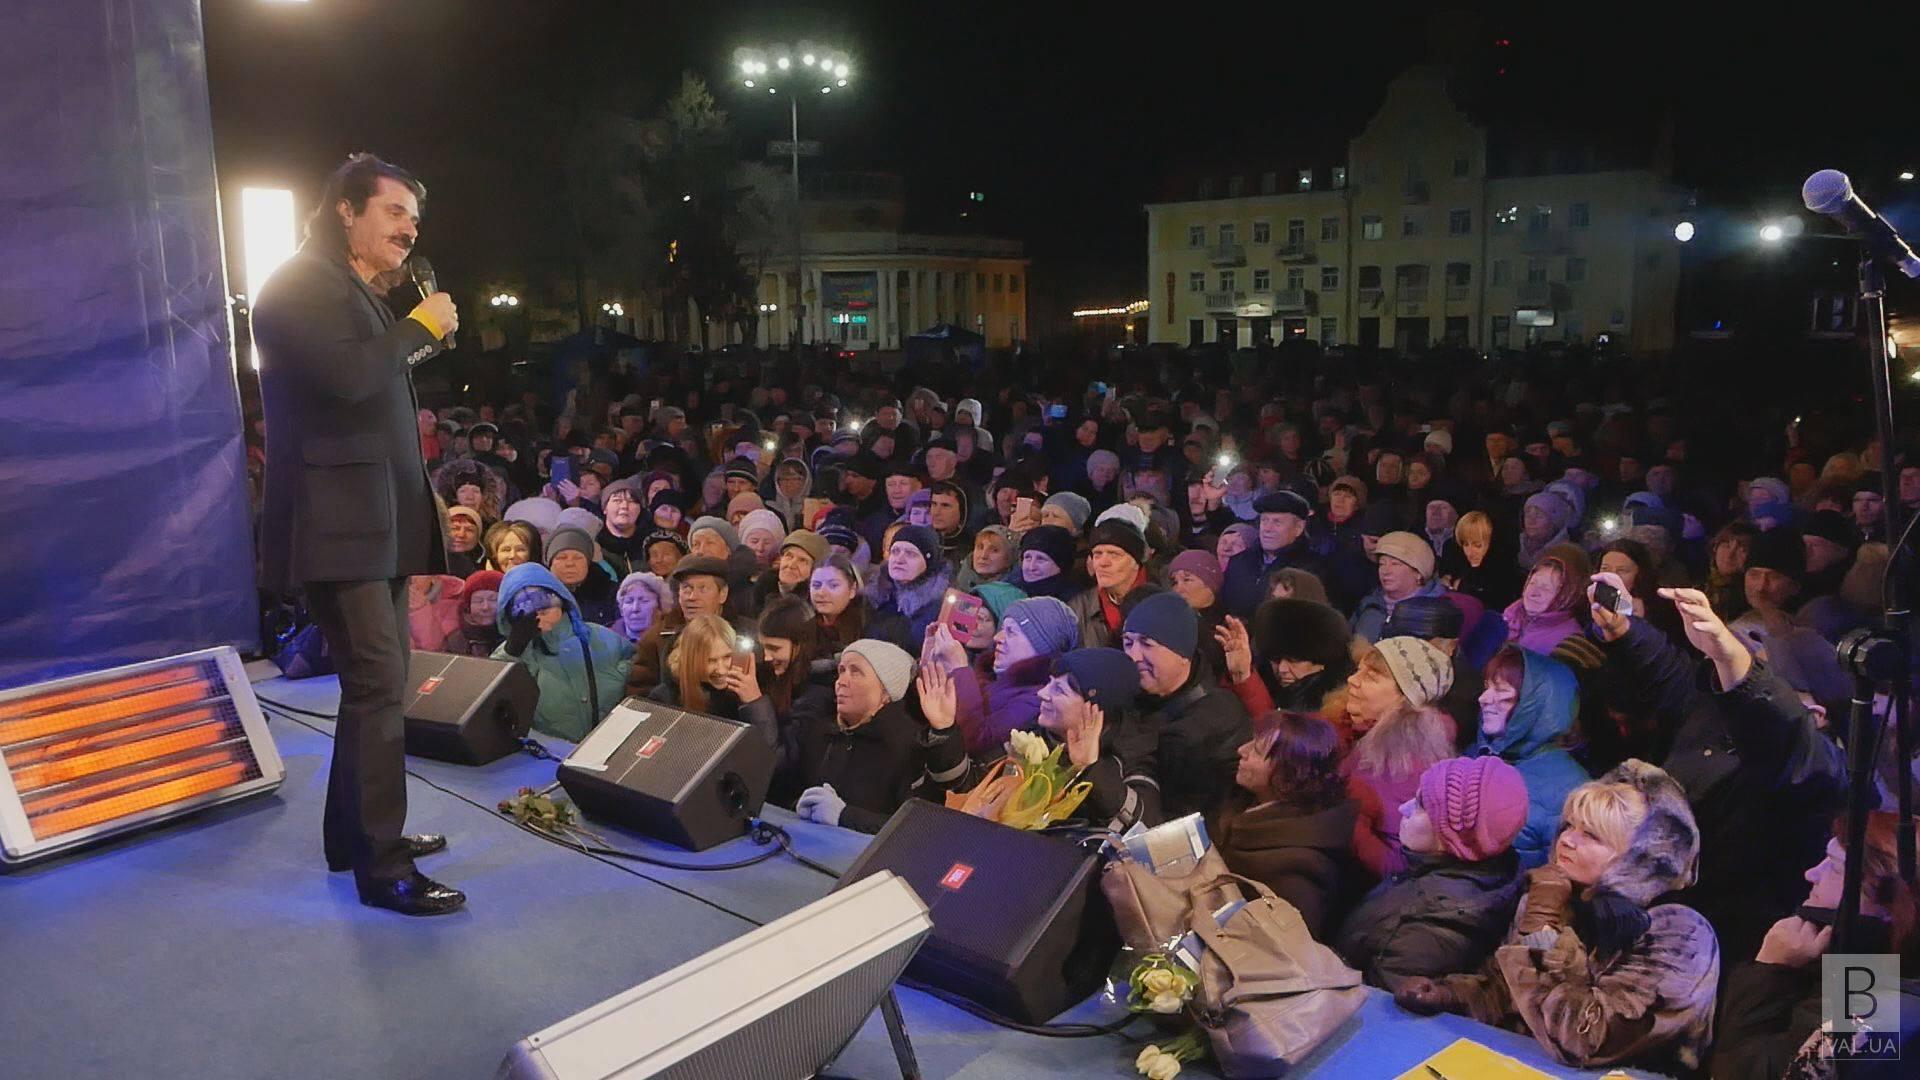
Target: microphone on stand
[1830, 192]
[424, 279]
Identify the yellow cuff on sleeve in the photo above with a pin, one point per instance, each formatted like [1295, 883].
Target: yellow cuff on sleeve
[425, 320]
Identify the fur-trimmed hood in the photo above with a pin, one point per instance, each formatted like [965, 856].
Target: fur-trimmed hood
[448, 479]
[1664, 856]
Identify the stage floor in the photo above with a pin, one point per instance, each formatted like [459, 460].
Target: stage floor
[219, 947]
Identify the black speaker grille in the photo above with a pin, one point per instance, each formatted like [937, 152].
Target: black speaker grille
[682, 745]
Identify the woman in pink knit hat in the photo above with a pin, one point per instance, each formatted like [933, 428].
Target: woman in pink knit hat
[1447, 911]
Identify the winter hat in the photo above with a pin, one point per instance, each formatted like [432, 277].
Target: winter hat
[1126, 512]
[1409, 549]
[579, 517]
[890, 662]
[664, 536]
[1201, 565]
[1834, 526]
[1776, 489]
[1440, 441]
[1353, 485]
[1105, 677]
[630, 485]
[468, 512]
[568, 538]
[479, 581]
[719, 526]
[1098, 457]
[1779, 549]
[1074, 505]
[742, 469]
[1118, 534]
[744, 503]
[1284, 501]
[1554, 504]
[690, 565]
[643, 579]
[840, 536]
[764, 521]
[667, 496]
[1423, 672]
[539, 513]
[1052, 541]
[1048, 624]
[1165, 617]
[999, 596]
[924, 538]
[1249, 535]
[1425, 617]
[1477, 805]
[1295, 629]
[1575, 495]
[808, 541]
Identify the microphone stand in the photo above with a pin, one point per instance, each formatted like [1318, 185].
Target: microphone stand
[1877, 655]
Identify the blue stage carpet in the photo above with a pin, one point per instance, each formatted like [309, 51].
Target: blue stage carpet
[219, 947]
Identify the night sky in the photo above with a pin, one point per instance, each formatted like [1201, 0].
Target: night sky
[1069, 117]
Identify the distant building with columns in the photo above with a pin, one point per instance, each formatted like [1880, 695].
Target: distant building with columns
[864, 283]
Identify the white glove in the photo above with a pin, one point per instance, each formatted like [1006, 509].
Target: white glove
[820, 804]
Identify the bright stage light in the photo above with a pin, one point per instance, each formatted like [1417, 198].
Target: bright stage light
[841, 71]
[269, 237]
[1772, 233]
[749, 84]
[807, 59]
[1683, 232]
[1906, 174]
[784, 63]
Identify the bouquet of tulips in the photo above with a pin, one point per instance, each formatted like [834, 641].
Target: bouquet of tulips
[1031, 788]
[1163, 985]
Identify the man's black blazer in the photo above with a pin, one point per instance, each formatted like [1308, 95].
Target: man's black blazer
[346, 494]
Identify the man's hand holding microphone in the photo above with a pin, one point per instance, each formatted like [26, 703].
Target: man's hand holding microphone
[438, 314]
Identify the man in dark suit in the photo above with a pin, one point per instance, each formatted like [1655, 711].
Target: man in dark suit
[349, 512]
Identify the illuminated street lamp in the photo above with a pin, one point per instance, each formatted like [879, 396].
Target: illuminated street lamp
[1683, 232]
[504, 300]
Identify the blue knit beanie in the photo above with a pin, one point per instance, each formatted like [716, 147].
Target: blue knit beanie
[1166, 618]
[1048, 624]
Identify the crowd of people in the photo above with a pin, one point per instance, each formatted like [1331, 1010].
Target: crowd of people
[1531, 713]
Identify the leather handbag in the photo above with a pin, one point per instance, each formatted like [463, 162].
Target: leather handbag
[1269, 994]
[1152, 910]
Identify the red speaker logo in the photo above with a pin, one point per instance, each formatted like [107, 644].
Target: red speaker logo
[957, 876]
[652, 746]
[431, 685]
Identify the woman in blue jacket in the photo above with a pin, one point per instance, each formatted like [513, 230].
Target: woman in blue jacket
[544, 630]
[1526, 709]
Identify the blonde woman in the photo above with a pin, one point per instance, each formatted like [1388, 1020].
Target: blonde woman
[714, 670]
[1469, 564]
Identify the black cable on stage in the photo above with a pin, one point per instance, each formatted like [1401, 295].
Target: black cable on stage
[1052, 1031]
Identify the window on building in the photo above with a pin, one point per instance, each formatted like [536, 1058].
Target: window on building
[1540, 219]
[1462, 167]
[1305, 182]
[1261, 280]
[1206, 187]
[1262, 232]
[999, 284]
[1329, 330]
[1236, 186]
[1456, 329]
[1197, 281]
[1411, 224]
[1536, 271]
[1459, 274]
[1296, 278]
[1269, 183]
[1196, 236]
[1329, 278]
[1339, 176]
[1296, 232]
[1013, 283]
[1369, 277]
[1196, 332]
[1226, 281]
[1226, 235]
[1617, 317]
[1576, 270]
[1578, 215]
[1501, 326]
[1459, 222]
[1329, 229]
[1502, 272]
[1371, 227]
[1013, 328]
[979, 283]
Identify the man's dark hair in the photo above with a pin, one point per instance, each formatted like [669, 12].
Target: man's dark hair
[355, 180]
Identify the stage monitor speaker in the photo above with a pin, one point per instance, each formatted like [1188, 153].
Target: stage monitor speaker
[1019, 923]
[686, 778]
[91, 756]
[467, 709]
[781, 1001]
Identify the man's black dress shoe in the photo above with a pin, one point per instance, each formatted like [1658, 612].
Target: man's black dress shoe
[416, 894]
[417, 847]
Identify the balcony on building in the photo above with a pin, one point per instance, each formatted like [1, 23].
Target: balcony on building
[1371, 297]
[1295, 251]
[1416, 193]
[1294, 301]
[1223, 303]
[1227, 255]
[1457, 293]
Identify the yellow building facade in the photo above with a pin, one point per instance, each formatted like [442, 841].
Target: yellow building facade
[1417, 240]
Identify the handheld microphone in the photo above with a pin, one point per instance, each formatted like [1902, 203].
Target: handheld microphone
[1829, 192]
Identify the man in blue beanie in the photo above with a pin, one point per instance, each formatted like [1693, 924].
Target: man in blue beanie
[1201, 725]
